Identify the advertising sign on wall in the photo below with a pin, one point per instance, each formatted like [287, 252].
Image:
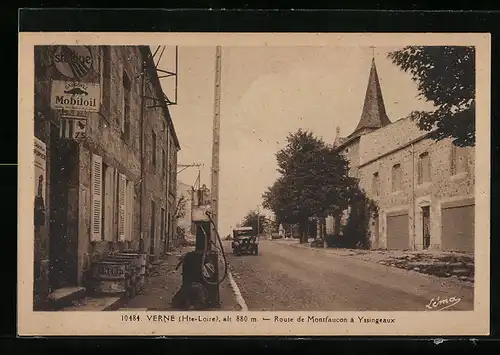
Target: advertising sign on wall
[40, 180]
[70, 95]
[72, 128]
[74, 62]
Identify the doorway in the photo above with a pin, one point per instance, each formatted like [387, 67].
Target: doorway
[62, 250]
[426, 233]
[376, 227]
[167, 234]
[153, 228]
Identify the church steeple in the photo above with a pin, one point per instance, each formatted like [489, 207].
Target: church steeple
[373, 115]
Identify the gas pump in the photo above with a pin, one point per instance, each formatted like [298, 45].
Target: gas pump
[200, 272]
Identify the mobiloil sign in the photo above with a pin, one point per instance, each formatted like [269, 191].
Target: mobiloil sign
[70, 95]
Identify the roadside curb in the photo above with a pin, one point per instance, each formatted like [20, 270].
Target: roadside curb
[358, 257]
[237, 293]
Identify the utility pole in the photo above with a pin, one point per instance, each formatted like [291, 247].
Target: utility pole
[215, 145]
[258, 221]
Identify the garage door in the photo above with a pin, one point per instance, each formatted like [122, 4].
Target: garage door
[457, 228]
[397, 232]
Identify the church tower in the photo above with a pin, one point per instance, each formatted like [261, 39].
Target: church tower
[374, 115]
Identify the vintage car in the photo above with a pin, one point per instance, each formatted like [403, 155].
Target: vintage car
[245, 241]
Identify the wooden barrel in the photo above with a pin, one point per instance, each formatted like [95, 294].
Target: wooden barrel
[129, 269]
[135, 256]
[110, 277]
[141, 263]
[138, 261]
[143, 270]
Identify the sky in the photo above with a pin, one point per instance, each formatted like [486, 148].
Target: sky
[267, 92]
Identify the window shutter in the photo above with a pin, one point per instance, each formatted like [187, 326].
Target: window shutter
[96, 188]
[129, 210]
[427, 168]
[121, 207]
[108, 204]
[126, 207]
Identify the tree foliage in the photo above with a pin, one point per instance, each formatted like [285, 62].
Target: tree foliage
[356, 230]
[445, 76]
[313, 181]
[251, 219]
[180, 208]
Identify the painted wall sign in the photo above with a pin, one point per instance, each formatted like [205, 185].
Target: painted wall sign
[70, 95]
[74, 62]
[73, 128]
[40, 178]
[113, 271]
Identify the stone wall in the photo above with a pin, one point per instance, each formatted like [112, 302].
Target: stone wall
[106, 139]
[155, 178]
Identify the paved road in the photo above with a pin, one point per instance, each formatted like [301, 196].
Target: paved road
[287, 278]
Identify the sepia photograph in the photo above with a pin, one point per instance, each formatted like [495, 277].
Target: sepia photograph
[179, 182]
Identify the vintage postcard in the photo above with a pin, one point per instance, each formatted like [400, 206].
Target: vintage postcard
[254, 184]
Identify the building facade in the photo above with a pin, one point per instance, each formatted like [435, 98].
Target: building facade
[424, 188]
[160, 170]
[93, 125]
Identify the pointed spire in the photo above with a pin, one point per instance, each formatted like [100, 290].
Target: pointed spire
[373, 114]
[338, 139]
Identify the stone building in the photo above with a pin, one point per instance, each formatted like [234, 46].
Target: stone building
[93, 122]
[160, 169]
[424, 189]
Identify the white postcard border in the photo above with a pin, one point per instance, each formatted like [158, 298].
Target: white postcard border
[109, 323]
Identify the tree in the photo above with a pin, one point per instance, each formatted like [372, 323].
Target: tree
[180, 208]
[445, 76]
[356, 231]
[314, 181]
[251, 219]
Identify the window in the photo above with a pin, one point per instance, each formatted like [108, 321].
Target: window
[122, 207]
[126, 106]
[152, 232]
[168, 224]
[173, 170]
[424, 168]
[459, 160]
[162, 235]
[103, 207]
[163, 162]
[153, 148]
[104, 69]
[107, 199]
[396, 177]
[375, 184]
[171, 177]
